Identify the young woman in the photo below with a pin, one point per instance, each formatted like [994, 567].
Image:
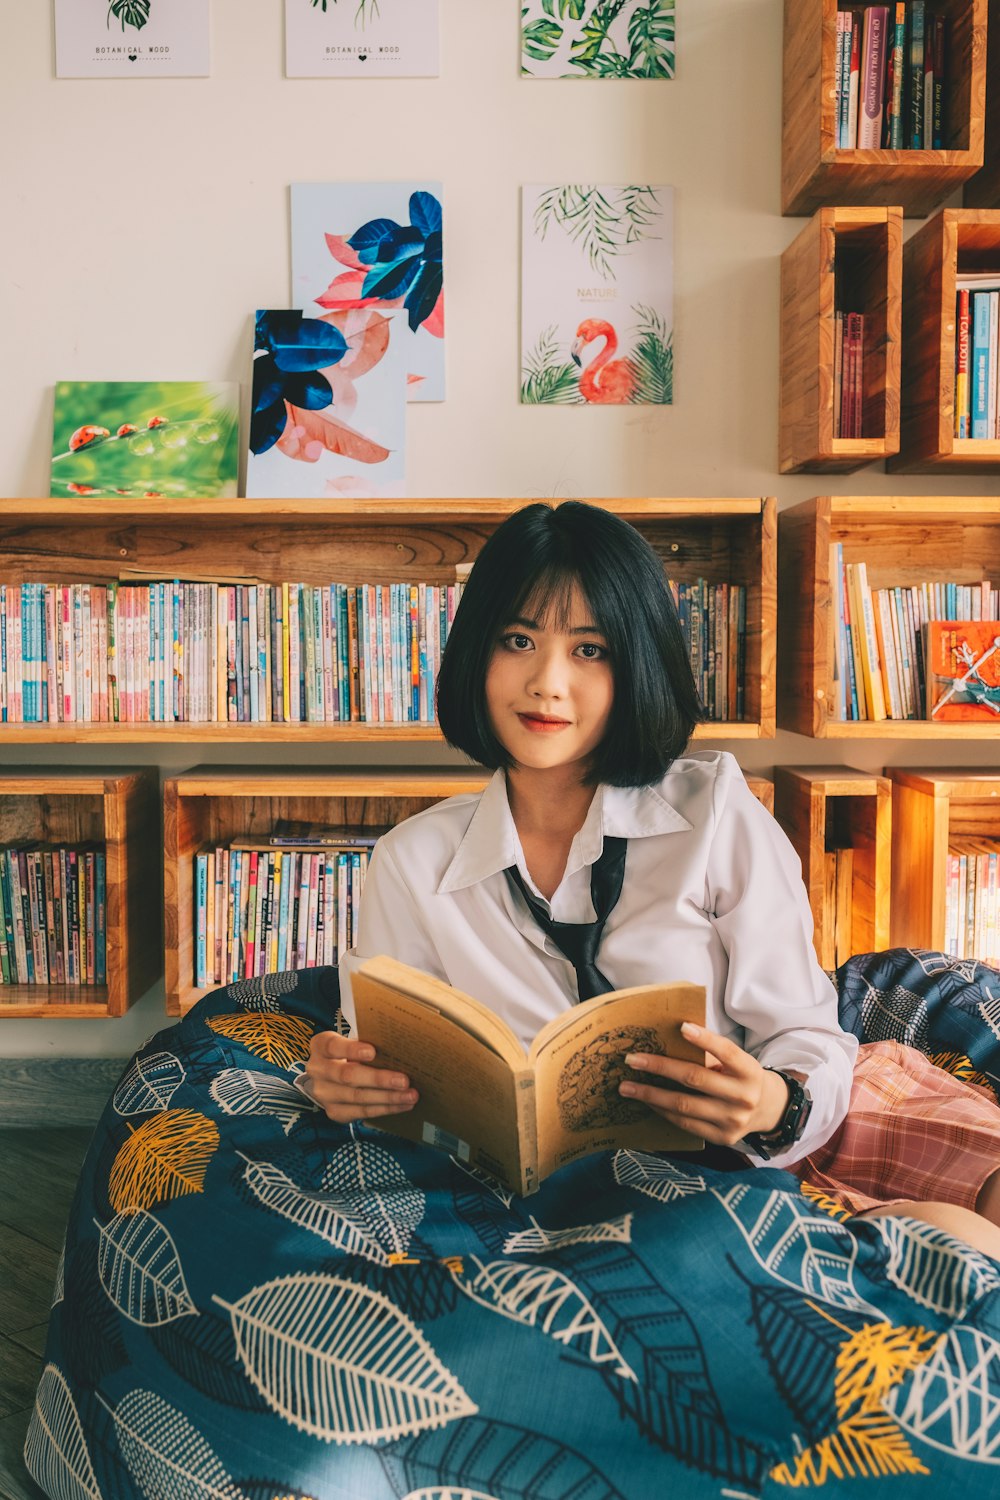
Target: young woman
[602, 856]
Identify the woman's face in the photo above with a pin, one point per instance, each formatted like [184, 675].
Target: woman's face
[549, 690]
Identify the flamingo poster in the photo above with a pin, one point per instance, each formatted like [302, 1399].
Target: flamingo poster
[328, 406]
[361, 38]
[597, 295]
[376, 245]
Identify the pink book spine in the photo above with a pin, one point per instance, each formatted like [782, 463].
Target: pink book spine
[873, 78]
[51, 655]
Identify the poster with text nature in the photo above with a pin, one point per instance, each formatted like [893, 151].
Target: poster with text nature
[328, 406]
[146, 439]
[376, 244]
[597, 295]
[132, 38]
[362, 38]
[597, 38]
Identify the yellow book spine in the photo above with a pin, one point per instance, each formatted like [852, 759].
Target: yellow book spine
[862, 668]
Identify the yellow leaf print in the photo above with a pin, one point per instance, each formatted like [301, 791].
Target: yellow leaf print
[961, 1066]
[874, 1359]
[282, 1040]
[824, 1202]
[165, 1157]
[867, 1445]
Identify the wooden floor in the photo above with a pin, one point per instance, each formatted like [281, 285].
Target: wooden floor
[38, 1172]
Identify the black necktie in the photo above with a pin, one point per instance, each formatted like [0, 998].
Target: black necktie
[579, 941]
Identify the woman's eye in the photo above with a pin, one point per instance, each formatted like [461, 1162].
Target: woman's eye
[591, 651]
[514, 641]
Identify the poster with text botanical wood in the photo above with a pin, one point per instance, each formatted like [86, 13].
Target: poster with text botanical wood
[597, 295]
[361, 38]
[168, 439]
[328, 406]
[132, 38]
[597, 38]
[963, 658]
[379, 245]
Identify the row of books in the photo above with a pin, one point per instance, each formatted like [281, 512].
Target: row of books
[713, 619]
[892, 655]
[890, 77]
[178, 652]
[53, 915]
[848, 374]
[261, 909]
[977, 355]
[186, 652]
[972, 902]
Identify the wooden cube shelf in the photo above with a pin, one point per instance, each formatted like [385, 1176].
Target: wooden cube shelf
[210, 805]
[930, 808]
[723, 541]
[815, 172]
[118, 809]
[955, 240]
[849, 259]
[839, 822]
[904, 540]
[983, 189]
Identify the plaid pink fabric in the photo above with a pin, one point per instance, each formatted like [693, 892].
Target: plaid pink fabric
[913, 1133]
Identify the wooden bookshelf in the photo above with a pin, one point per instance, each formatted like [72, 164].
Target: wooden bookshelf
[118, 809]
[838, 817]
[904, 540]
[724, 541]
[930, 808]
[955, 240]
[209, 805]
[848, 259]
[814, 172]
[983, 189]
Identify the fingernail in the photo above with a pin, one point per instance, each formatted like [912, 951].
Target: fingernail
[690, 1029]
[628, 1089]
[637, 1059]
[367, 1053]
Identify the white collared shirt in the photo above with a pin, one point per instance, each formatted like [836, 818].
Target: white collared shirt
[713, 894]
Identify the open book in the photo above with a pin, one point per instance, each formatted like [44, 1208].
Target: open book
[520, 1115]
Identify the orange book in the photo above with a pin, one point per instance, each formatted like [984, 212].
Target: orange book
[963, 670]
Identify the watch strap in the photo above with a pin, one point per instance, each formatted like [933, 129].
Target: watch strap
[791, 1125]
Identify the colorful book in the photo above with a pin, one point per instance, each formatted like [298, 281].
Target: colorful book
[963, 664]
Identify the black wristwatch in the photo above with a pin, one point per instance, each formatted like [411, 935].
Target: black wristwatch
[791, 1125]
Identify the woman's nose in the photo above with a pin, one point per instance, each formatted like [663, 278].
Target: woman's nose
[547, 678]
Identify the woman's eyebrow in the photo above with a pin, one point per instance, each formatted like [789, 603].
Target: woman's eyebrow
[574, 629]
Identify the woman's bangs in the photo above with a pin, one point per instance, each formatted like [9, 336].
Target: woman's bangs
[548, 598]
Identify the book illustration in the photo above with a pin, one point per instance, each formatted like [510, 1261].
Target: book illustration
[358, 38]
[145, 439]
[598, 38]
[587, 1093]
[597, 295]
[376, 247]
[328, 406]
[132, 38]
[964, 662]
[519, 1114]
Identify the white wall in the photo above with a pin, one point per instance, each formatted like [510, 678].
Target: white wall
[143, 221]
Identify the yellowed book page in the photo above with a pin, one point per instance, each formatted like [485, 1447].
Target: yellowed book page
[579, 1061]
[470, 1098]
[466, 1011]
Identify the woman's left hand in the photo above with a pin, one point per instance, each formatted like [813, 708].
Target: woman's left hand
[722, 1102]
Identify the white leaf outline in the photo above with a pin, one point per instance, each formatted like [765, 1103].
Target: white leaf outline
[359, 1174]
[151, 1433]
[954, 1390]
[55, 1449]
[342, 1362]
[241, 1091]
[150, 1084]
[537, 1240]
[315, 1211]
[541, 1297]
[655, 1177]
[139, 1267]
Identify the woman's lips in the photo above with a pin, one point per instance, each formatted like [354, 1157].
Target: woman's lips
[539, 724]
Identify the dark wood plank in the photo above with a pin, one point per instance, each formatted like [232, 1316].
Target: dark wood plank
[15, 1483]
[45, 1091]
[27, 1283]
[20, 1371]
[38, 1174]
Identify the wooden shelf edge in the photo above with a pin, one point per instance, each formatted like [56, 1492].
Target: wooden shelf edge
[492, 508]
[263, 734]
[908, 729]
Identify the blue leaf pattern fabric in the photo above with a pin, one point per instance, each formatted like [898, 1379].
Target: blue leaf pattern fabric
[318, 1311]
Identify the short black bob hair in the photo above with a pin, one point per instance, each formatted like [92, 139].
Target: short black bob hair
[529, 566]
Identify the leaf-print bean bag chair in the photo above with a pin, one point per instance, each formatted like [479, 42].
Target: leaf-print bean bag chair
[255, 1303]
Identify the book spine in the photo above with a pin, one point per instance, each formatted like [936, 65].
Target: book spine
[979, 399]
[918, 14]
[939, 33]
[100, 917]
[873, 77]
[962, 406]
[853, 65]
[840, 93]
[992, 359]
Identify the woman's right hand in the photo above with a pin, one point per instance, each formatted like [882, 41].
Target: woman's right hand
[341, 1082]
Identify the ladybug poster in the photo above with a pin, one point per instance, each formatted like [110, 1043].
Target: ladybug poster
[132, 38]
[361, 39]
[173, 439]
[597, 295]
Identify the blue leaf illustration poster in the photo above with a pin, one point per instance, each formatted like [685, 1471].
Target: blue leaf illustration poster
[361, 38]
[328, 406]
[132, 39]
[376, 245]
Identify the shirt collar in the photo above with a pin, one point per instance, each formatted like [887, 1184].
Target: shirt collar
[491, 843]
